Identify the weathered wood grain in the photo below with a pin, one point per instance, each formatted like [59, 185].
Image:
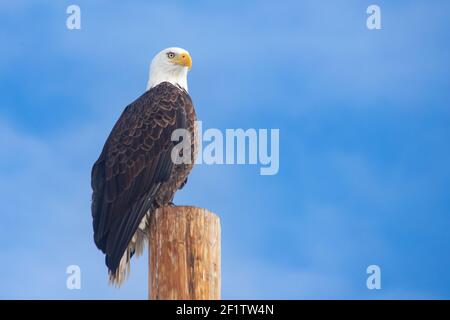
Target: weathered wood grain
[184, 254]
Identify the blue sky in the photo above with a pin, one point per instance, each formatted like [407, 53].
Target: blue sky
[364, 125]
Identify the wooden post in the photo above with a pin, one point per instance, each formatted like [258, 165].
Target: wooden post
[184, 254]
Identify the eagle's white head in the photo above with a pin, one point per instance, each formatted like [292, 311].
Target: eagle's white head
[170, 65]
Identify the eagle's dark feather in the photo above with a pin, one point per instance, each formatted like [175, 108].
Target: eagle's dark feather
[134, 173]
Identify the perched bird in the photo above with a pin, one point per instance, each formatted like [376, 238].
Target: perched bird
[135, 173]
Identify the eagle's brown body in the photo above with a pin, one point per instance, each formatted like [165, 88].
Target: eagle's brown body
[135, 174]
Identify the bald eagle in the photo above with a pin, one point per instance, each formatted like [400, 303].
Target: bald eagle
[135, 174]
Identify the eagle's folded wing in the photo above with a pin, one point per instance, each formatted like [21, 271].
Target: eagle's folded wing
[135, 160]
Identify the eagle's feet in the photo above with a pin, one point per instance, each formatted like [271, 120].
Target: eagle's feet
[183, 184]
[170, 204]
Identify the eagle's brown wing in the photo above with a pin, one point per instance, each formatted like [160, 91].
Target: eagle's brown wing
[134, 162]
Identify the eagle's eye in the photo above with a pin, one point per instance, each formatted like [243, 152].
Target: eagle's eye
[171, 55]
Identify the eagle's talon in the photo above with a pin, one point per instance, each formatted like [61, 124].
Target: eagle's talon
[183, 184]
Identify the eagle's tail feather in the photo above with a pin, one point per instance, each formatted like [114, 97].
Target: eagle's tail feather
[136, 246]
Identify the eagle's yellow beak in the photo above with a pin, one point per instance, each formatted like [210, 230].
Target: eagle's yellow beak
[183, 59]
